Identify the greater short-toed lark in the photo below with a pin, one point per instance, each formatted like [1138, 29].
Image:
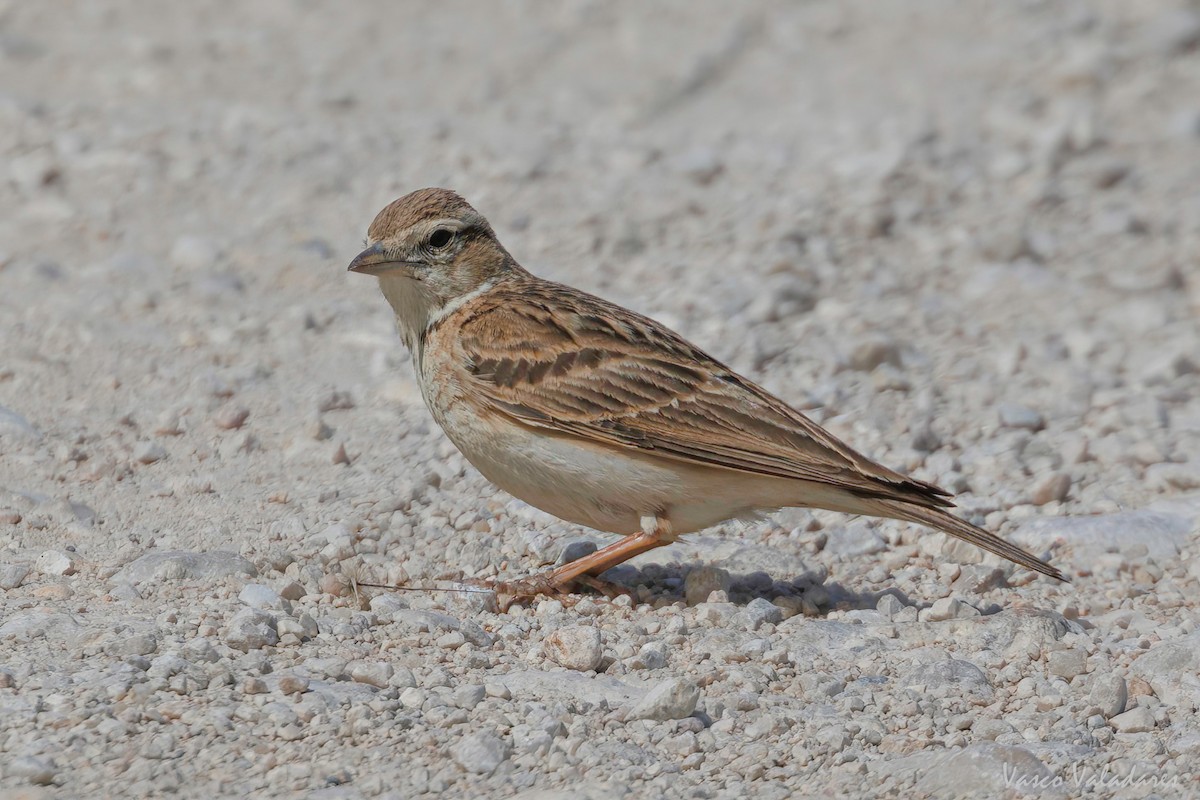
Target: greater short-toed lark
[604, 417]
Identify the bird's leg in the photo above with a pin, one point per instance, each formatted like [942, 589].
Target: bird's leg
[655, 532]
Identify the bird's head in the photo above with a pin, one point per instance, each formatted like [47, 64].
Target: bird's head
[428, 249]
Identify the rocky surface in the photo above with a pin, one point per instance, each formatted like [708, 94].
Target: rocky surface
[963, 236]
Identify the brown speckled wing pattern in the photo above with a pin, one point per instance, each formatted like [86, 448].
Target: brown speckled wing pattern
[617, 378]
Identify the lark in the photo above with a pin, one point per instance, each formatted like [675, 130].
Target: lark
[601, 416]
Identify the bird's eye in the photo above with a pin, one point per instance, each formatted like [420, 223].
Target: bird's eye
[440, 238]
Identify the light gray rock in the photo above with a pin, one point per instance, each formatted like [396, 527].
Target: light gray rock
[55, 562]
[1171, 476]
[651, 655]
[945, 608]
[149, 452]
[888, 605]
[672, 699]
[575, 647]
[1162, 534]
[373, 673]
[1172, 668]
[759, 611]
[257, 595]
[1067, 663]
[13, 575]
[575, 550]
[988, 770]
[1136, 720]
[38, 623]
[468, 695]
[481, 752]
[1109, 693]
[178, 565]
[140, 644]
[35, 769]
[251, 629]
[1017, 416]
[201, 650]
[952, 677]
[858, 538]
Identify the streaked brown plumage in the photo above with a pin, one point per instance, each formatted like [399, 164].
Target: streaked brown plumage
[603, 416]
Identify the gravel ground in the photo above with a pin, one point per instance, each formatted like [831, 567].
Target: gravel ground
[963, 235]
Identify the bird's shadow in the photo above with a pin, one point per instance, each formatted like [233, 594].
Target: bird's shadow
[816, 596]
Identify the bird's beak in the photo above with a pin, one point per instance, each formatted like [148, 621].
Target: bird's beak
[375, 260]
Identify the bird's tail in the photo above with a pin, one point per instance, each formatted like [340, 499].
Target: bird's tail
[944, 521]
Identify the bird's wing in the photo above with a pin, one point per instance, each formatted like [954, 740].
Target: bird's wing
[552, 357]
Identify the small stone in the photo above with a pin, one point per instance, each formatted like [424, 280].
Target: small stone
[701, 164]
[652, 655]
[334, 583]
[703, 581]
[142, 644]
[1067, 663]
[1137, 720]
[293, 684]
[149, 452]
[252, 685]
[201, 649]
[55, 562]
[671, 699]
[576, 647]
[340, 456]
[497, 690]
[451, 641]
[335, 401]
[943, 608]
[481, 753]
[251, 629]
[760, 611]
[9, 516]
[1018, 416]
[575, 550]
[372, 673]
[873, 352]
[12, 575]
[38, 771]
[1109, 693]
[256, 595]
[318, 430]
[888, 605]
[468, 696]
[1053, 487]
[231, 417]
[194, 253]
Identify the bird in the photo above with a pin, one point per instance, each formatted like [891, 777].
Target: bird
[604, 417]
